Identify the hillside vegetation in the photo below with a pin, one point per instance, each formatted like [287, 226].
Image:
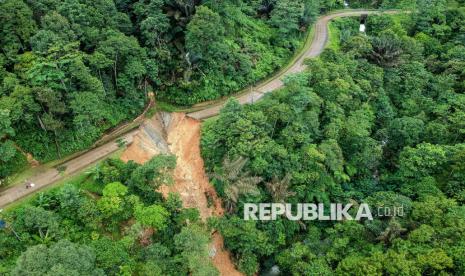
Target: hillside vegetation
[69, 70]
[380, 120]
[107, 222]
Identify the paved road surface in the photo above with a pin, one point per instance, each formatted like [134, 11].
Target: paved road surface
[316, 48]
[52, 175]
[79, 163]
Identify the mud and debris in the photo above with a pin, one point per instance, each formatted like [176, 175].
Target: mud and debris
[178, 134]
[149, 141]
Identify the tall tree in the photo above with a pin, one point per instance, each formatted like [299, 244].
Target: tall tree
[62, 258]
[286, 16]
[204, 34]
[192, 242]
[7, 147]
[236, 182]
[17, 27]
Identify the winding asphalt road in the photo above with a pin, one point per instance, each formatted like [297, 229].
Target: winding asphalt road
[50, 176]
[317, 46]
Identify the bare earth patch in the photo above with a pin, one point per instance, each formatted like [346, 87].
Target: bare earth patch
[178, 134]
[149, 141]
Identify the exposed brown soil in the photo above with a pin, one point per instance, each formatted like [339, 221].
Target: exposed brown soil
[191, 182]
[144, 238]
[149, 141]
[222, 259]
[178, 134]
[30, 159]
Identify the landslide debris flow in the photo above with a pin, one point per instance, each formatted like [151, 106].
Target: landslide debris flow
[177, 134]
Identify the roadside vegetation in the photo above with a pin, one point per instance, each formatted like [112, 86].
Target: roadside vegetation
[377, 120]
[70, 70]
[109, 221]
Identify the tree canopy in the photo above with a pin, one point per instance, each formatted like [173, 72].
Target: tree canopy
[374, 120]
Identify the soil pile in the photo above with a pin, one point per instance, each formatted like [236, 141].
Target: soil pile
[177, 134]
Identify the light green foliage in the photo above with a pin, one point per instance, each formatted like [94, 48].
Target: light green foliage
[70, 70]
[193, 243]
[113, 201]
[62, 79]
[424, 160]
[379, 119]
[142, 180]
[151, 216]
[230, 45]
[204, 33]
[111, 233]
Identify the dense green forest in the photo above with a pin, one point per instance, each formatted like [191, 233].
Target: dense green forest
[379, 121]
[69, 70]
[112, 223]
[378, 118]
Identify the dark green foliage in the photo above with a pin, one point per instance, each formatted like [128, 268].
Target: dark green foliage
[70, 70]
[62, 258]
[142, 180]
[71, 231]
[230, 45]
[380, 122]
[17, 27]
[111, 255]
[64, 79]
[192, 242]
[377, 123]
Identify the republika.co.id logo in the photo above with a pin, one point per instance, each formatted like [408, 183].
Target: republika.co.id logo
[311, 211]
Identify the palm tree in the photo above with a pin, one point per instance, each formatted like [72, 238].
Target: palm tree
[236, 182]
[387, 50]
[279, 189]
[392, 231]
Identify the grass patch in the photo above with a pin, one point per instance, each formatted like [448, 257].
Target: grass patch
[334, 37]
[211, 119]
[151, 112]
[167, 107]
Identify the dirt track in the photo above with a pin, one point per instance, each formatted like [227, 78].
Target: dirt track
[315, 49]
